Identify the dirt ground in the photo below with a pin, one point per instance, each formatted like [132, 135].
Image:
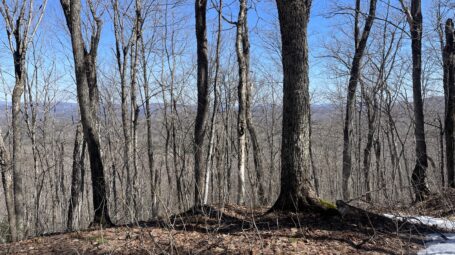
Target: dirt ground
[233, 230]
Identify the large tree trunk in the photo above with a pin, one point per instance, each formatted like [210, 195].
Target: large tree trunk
[202, 96]
[87, 94]
[296, 192]
[360, 45]
[245, 122]
[449, 91]
[243, 51]
[419, 175]
[19, 203]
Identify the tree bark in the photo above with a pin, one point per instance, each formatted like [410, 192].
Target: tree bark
[87, 94]
[19, 203]
[419, 174]
[242, 49]
[296, 192]
[210, 154]
[449, 89]
[134, 106]
[202, 97]
[245, 122]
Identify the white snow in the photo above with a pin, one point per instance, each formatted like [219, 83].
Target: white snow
[443, 243]
[435, 244]
[442, 223]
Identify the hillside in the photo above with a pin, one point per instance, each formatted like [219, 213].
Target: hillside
[234, 230]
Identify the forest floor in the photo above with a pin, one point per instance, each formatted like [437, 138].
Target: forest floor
[237, 230]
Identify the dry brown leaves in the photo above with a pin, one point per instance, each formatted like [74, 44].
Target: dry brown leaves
[231, 230]
[440, 204]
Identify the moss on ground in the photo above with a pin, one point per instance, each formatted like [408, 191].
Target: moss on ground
[327, 204]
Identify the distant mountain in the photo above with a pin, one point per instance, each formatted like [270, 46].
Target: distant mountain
[68, 110]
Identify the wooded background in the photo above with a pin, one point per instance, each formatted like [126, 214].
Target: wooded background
[159, 122]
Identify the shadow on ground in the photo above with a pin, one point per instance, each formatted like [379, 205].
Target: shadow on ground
[237, 230]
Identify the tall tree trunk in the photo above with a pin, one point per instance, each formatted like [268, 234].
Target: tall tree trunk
[296, 192]
[134, 110]
[87, 94]
[202, 96]
[449, 89]
[245, 122]
[122, 48]
[210, 154]
[419, 174]
[360, 45]
[242, 49]
[19, 203]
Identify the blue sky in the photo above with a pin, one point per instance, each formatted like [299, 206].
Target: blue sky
[262, 18]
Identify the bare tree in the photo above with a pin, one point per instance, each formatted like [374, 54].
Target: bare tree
[210, 153]
[449, 91]
[22, 21]
[147, 98]
[88, 99]
[134, 59]
[419, 174]
[360, 45]
[202, 96]
[123, 44]
[373, 87]
[245, 122]
[126, 51]
[296, 192]
[39, 100]
[242, 46]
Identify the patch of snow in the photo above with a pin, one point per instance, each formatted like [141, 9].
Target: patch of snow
[441, 223]
[435, 244]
